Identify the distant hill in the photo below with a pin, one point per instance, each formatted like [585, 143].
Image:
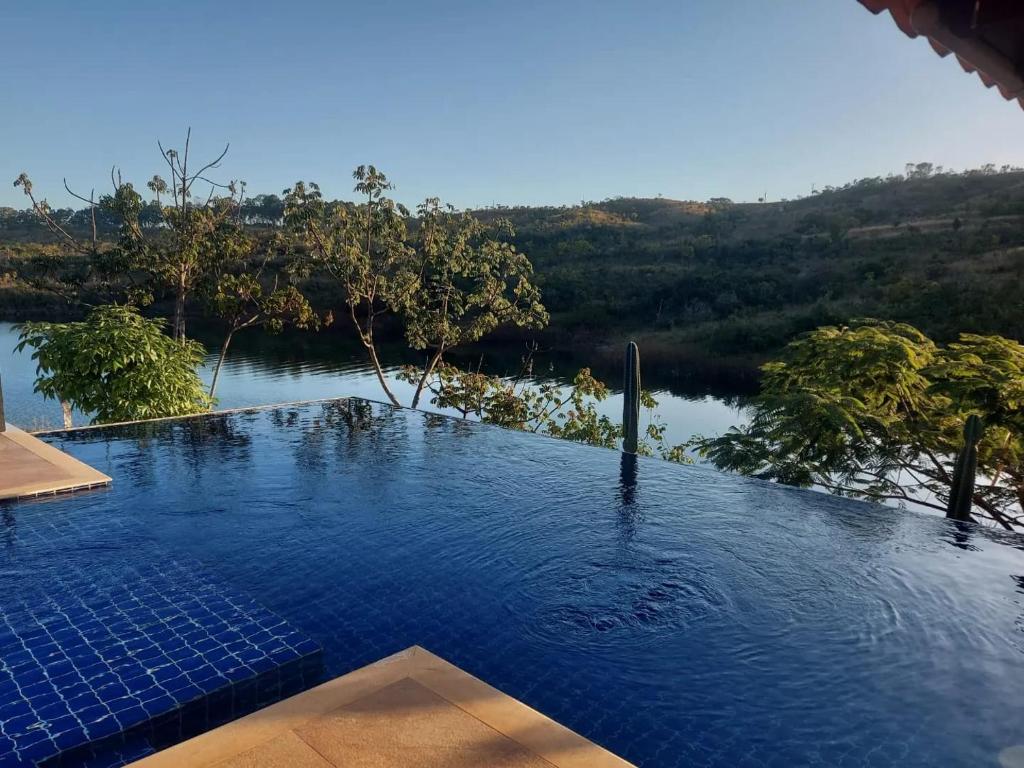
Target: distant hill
[736, 281]
[945, 252]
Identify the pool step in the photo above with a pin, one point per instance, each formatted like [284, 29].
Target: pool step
[121, 659]
[114, 754]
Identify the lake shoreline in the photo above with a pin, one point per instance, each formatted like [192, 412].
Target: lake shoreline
[736, 374]
[694, 397]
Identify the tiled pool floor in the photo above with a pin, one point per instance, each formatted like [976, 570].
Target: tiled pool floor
[411, 709]
[103, 665]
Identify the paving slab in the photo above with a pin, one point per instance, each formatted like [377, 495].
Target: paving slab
[30, 467]
[412, 709]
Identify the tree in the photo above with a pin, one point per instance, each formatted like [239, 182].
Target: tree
[569, 413]
[919, 170]
[197, 234]
[242, 301]
[453, 283]
[117, 365]
[158, 187]
[53, 272]
[362, 247]
[178, 248]
[876, 410]
[469, 281]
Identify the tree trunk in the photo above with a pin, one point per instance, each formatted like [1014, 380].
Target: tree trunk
[427, 370]
[366, 336]
[220, 361]
[179, 311]
[65, 406]
[380, 373]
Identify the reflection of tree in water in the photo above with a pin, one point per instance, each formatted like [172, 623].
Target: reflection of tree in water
[438, 429]
[221, 438]
[294, 352]
[351, 429]
[202, 443]
[876, 524]
[959, 534]
[630, 515]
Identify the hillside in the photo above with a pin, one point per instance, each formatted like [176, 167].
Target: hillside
[724, 280]
[944, 252]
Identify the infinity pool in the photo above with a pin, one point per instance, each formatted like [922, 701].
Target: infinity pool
[676, 615]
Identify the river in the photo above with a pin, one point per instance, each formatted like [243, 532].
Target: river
[262, 369]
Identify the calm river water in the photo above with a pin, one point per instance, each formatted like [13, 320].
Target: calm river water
[263, 369]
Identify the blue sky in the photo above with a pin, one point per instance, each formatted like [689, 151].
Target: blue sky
[481, 102]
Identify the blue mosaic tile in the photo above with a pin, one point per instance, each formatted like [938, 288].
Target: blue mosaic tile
[103, 665]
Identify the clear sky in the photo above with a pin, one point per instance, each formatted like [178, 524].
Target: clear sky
[521, 101]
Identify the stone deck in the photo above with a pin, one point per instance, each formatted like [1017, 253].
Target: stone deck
[30, 467]
[412, 709]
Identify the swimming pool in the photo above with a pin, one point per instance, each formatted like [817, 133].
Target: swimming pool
[676, 615]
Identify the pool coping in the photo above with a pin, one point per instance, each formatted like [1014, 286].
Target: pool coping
[536, 733]
[197, 415]
[68, 474]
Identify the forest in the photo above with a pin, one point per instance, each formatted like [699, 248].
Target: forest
[735, 282]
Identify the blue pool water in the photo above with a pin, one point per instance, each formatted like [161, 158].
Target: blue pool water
[676, 615]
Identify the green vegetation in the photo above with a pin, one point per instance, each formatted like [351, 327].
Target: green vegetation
[444, 277]
[243, 300]
[720, 280]
[547, 409]
[688, 280]
[449, 285]
[122, 250]
[876, 410]
[118, 365]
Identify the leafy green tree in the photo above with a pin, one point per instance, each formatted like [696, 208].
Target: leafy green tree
[876, 410]
[362, 247]
[469, 281]
[157, 186]
[181, 245]
[196, 235]
[80, 260]
[242, 300]
[452, 284]
[569, 413]
[117, 365]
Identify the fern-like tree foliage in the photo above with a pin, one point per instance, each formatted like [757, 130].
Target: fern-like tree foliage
[565, 412]
[361, 247]
[117, 366]
[449, 282]
[467, 280]
[876, 410]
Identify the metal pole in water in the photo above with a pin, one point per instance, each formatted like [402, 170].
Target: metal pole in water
[631, 399]
[966, 469]
[3, 424]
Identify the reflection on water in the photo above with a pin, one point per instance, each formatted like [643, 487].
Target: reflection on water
[629, 511]
[263, 369]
